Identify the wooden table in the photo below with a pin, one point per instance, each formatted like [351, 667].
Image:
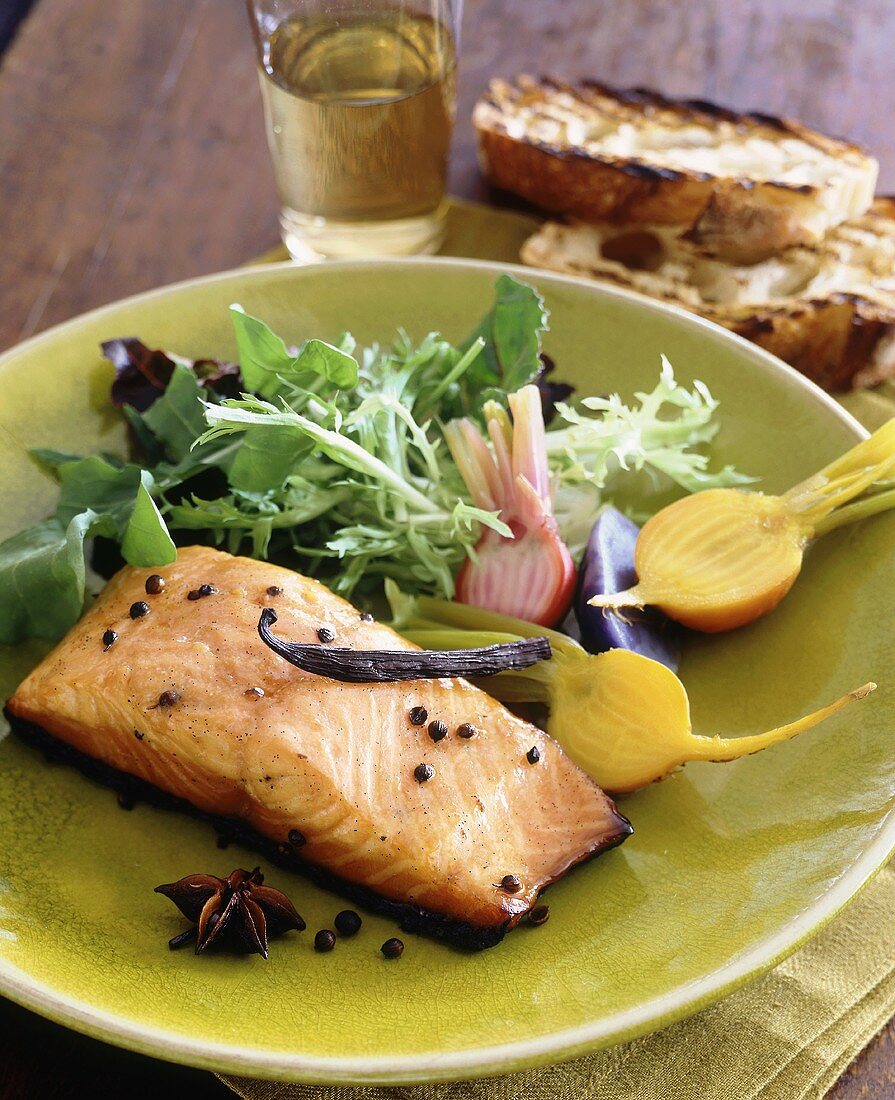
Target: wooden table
[132, 154]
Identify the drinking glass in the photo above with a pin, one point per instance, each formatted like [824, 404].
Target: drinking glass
[359, 104]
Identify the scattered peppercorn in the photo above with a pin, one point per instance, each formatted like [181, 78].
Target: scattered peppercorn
[466, 730]
[533, 755]
[155, 583]
[366, 617]
[422, 773]
[325, 634]
[274, 590]
[139, 736]
[110, 637]
[418, 715]
[201, 592]
[539, 915]
[139, 609]
[255, 693]
[510, 884]
[438, 729]
[347, 923]
[393, 948]
[325, 940]
[297, 838]
[168, 699]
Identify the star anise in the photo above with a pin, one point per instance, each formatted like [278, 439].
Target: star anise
[238, 910]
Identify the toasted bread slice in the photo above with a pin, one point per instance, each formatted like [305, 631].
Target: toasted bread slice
[744, 185]
[828, 310]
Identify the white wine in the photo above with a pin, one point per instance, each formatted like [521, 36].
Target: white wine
[359, 115]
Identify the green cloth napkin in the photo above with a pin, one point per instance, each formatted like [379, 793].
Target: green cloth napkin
[787, 1036]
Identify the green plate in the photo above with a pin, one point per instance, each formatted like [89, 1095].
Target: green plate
[730, 868]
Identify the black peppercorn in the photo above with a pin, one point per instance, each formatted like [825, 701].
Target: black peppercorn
[201, 592]
[510, 884]
[393, 948]
[418, 715]
[254, 693]
[347, 923]
[438, 730]
[325, 634]
[422, 773]
[168, 699]
[366, 617]
[155, 583]
[466, 730]
[110, 637]
[533, 755]
[139, 736]
[139, 609]
[539, 915]
[274, 590]
[297, 838]
[325, 940]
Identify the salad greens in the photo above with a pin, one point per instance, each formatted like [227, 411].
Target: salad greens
[333, 458]
[594, 458]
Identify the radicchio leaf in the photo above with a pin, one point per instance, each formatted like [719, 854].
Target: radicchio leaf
[143, 373]
[550, 391]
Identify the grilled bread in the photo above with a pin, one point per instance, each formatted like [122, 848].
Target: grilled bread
[829, 310]
[744, 186]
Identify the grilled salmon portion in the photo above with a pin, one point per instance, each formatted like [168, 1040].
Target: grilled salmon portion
[189, 699]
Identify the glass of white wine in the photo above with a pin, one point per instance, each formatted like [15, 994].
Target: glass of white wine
[359, 103]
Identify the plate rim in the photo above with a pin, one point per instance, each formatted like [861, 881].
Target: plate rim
[555, 1046]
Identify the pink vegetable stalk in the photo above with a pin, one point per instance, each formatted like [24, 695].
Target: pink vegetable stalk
[532, 575]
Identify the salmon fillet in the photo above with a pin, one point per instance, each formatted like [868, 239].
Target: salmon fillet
[334, 761]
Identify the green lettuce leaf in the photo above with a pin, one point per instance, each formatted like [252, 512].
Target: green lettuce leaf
[512, 331]
[265, 360]
[177, 418]
[120, 497]
[267, 457]
[146, 540]
[92, 483]
[42, 578]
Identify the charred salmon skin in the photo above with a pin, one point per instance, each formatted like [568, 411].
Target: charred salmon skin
[187, 698]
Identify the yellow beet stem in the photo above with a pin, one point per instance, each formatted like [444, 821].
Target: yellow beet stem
[825, 497]
[876, 449]
[841, 481]
[719, 749]
[860, 509]
[448, 613]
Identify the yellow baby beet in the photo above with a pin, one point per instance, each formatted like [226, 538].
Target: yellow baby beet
[624, 718]
[640, 730]
[724, 557]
